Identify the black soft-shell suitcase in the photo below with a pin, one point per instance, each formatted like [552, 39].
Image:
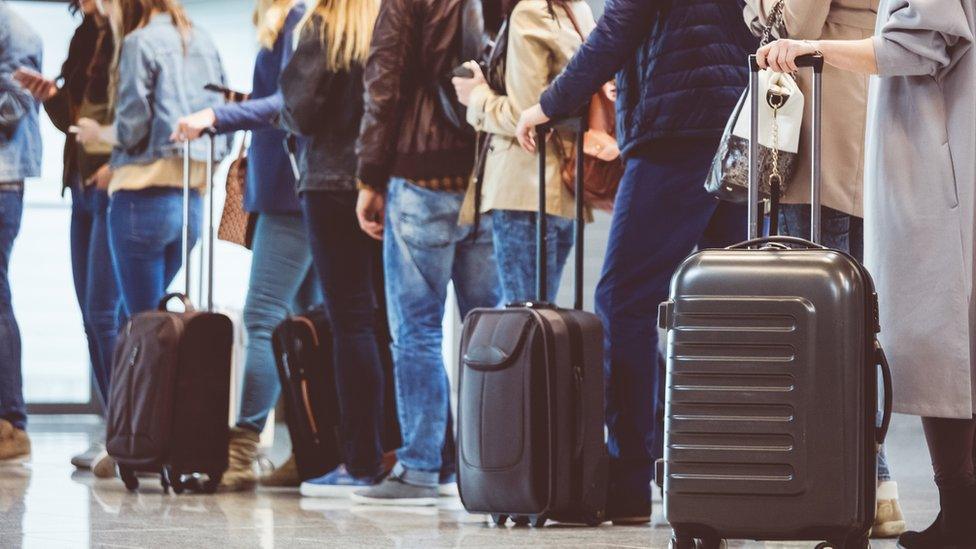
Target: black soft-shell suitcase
[304, 354]
[171, 385]
[772, 362]
[531, 404]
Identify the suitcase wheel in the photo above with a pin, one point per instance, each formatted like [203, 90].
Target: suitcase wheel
[538, 521]
[178, 485]
[499, 519]
[128, 477]
[165, 479]
[213, 482]
[684, 542]
[521, 520]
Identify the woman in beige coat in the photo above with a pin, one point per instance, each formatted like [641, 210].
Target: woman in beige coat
[542, 36]
[920, 200]
[844, 119]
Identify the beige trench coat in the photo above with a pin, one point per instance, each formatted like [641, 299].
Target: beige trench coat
[920, 197]
[539, 47]
[845, 100]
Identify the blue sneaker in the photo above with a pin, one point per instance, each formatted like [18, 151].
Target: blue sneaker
[336, 483]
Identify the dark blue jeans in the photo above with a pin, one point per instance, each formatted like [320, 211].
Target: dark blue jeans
[95, 285]
[662, 212]
[282, 282]
[146, 237]
[514, 236]
[424, 249]
[839, 231]
[12, 406]
[348, 263]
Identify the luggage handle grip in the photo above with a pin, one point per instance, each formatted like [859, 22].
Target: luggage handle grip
[814, 61]
[790, 240]
[187, 304]
[882, 361]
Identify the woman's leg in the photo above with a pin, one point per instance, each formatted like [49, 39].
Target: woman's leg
[951, 447]
[560, 237]
[101, 294]
[279, 264]
[344, 258]
[80, 238]
[12, 408]
[514, 237]
[174, 249]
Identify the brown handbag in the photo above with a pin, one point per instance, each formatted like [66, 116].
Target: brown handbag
[602, 167]
[236, 223]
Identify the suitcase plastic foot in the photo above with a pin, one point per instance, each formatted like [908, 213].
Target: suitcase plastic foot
[521, 520]
[164, 479]
[538, 521]
[499, 519]
[682, 542]
[128, 477]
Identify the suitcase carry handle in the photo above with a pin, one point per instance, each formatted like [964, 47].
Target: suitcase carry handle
[882, 361]
[207, 248]
[164, 302]
[814, 61]
[541, 258]
[776, 239]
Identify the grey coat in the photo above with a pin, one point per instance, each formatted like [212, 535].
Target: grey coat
[920, 197]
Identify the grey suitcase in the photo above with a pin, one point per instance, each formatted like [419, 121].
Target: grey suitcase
[772, 386]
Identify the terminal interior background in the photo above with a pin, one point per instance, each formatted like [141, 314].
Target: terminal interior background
[45, 503]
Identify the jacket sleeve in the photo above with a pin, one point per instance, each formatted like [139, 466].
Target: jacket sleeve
[618, 34]
[392, 45]
[923, 37]
[133, 108]
[305, 85]
[262, 113]
[15, 101]
[58, 109]
[530, 39]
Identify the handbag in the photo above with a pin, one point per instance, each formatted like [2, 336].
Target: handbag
[781, 116]
[602, 166]
[236, 223]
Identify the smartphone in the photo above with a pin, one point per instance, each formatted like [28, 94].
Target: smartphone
[231, 95]
[462, 72]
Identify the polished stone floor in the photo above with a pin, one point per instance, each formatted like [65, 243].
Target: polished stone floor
[45, 504]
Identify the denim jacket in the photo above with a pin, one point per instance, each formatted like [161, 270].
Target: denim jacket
[160, 80]
[20, 137]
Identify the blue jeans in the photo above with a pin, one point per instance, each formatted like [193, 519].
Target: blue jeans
[839, 231]
[95, 285]
[145, 230]
[662, 212]
[349, 264]
[514, 237]
[12, 406]
[282, 282]
[424, 248]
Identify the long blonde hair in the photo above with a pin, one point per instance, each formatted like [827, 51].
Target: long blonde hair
[269, 19]
[347, 27]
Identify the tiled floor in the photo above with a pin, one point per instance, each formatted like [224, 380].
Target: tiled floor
[44, 504]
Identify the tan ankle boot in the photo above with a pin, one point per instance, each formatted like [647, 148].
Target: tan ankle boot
[242, 452]
[888, 520]
[14, 442]
[284, 476]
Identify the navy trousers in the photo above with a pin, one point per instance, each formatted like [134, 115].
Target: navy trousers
[662, 213]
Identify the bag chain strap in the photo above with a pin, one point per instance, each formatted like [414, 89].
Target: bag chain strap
[774, 21]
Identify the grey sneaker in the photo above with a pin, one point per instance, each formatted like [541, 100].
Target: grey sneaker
[394, 491]
[84, 460]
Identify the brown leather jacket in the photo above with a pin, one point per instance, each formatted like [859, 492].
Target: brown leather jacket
[403, 133]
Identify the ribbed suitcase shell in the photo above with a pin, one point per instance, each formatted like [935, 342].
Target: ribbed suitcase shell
[772, 396]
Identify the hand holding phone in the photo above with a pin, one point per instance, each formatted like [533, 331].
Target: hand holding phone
[34, 82]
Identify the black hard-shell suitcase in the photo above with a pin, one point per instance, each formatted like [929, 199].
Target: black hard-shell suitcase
[772, 368]
[170, 389]
[304, 354]
[531, 403]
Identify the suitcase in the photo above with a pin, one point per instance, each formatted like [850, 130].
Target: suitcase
[171, 383]
[530, 441]
[772, 360]
[304, 355]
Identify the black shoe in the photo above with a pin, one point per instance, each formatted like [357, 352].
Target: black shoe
[954, 528]
[628, 514]
[930, 538]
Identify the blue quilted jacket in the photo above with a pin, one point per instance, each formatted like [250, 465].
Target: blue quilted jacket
[680, 68]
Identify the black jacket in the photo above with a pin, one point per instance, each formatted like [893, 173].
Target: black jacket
[325, 107]
[404, 134]
[681, 65]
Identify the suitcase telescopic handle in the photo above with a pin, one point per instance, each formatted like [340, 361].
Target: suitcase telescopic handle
[579, 125]
[882, 362]
[791, 241]
[207, 249]
[813, 61]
